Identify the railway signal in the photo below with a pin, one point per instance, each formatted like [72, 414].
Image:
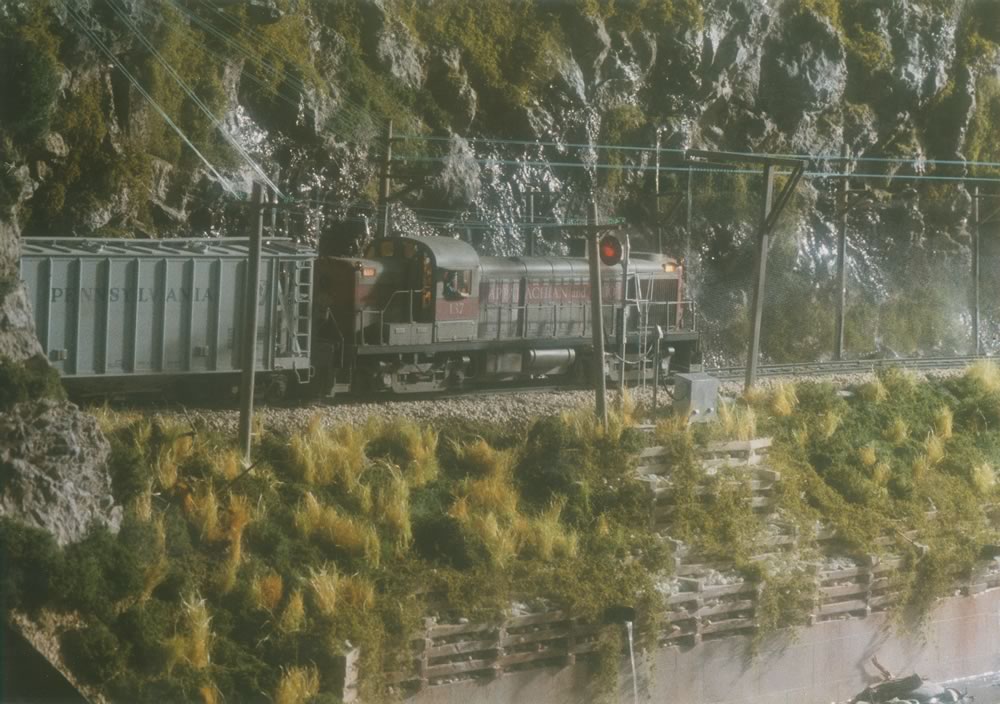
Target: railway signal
[611, 250]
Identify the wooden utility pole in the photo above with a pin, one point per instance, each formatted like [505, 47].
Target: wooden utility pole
[597, 317]
[838, 352]
[383, 203]
[251, 298]
[759, 277]
[976, 233]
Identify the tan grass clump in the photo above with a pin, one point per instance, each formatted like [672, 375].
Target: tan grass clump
[267, 591]
[204, 512]
[393, 505]
[229, 464]
[195, 643]
[500, 542]
[357, 592]
[159, 566]
[985, 374]
[336, 457]
[324, 586]
[420, 447]
[921, 467]
[944, 421]
[984, 479]
[293, 618]
[353, 536]
[545, 537]
[209, 694]
[881, 473]
[478, 458]
[783, 399]
[738, 422]
[897, 432]
[867, 456]
[297, 685]
[873, 391]
[494, 493]
[830, 424]
[934, 448]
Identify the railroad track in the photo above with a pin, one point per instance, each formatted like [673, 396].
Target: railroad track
[850, 366]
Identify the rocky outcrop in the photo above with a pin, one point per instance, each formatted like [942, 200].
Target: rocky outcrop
[53, 470]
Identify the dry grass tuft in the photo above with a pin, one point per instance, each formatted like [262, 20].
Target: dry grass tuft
[229, 464]
[337, 457]
[198, 638]
[500, 542]
[420, 447]
[293, 618]
[494, 493]
[298, 685]
[985, 374]
[267, 591]
[934, 448]
[209, 694]
[204, 513]
[357, 592]
[324, 585]
[984, 479]
[351, 535]
[873, 391]
[830, 424]
[943, 423]
[881, 473]
[545, 537]
[897, 432]
[783, 399]
[867, 456]
[393, 504]
[738, 422]
[921, 467]
[478, 458]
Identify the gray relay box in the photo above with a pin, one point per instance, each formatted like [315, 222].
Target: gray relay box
[696, 395]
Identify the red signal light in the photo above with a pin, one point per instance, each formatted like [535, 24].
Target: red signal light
[610, 249]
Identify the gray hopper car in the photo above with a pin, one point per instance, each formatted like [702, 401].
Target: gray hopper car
[155, 312]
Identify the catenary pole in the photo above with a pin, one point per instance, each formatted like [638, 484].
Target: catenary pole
[251, 297]
[597, 317]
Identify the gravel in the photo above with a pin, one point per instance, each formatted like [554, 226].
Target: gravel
[514, 409]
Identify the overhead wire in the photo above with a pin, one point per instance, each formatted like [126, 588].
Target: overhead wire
[357, 116]
[149, 98]
[919, 161]
[216, 123]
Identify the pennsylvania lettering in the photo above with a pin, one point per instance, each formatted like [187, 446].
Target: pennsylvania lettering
[129, 295]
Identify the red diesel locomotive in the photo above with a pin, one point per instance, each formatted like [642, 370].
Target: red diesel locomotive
[419, 314]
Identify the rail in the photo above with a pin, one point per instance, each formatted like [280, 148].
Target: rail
[849, 366]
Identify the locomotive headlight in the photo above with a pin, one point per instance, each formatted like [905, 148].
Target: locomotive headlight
[670, 267]
[368, 271]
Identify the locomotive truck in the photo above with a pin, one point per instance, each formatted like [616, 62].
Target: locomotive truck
[412, 314]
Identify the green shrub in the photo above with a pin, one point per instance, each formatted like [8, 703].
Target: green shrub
[94, 653]
[29, 83]
[28, 381]
[30, 564]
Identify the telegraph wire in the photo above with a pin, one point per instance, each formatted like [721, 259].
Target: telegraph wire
[145, 94]
[197, 101]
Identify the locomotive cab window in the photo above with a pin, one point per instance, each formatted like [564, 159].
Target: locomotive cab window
[456, 284]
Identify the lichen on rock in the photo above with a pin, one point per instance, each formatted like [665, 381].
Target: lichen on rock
[53, 470]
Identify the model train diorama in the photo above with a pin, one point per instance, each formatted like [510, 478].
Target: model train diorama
[413, 314]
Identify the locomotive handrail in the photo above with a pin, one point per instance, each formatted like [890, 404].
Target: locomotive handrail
[381, 314]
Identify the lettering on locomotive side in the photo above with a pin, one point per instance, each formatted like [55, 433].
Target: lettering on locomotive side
[508, 291]
[130, 295]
